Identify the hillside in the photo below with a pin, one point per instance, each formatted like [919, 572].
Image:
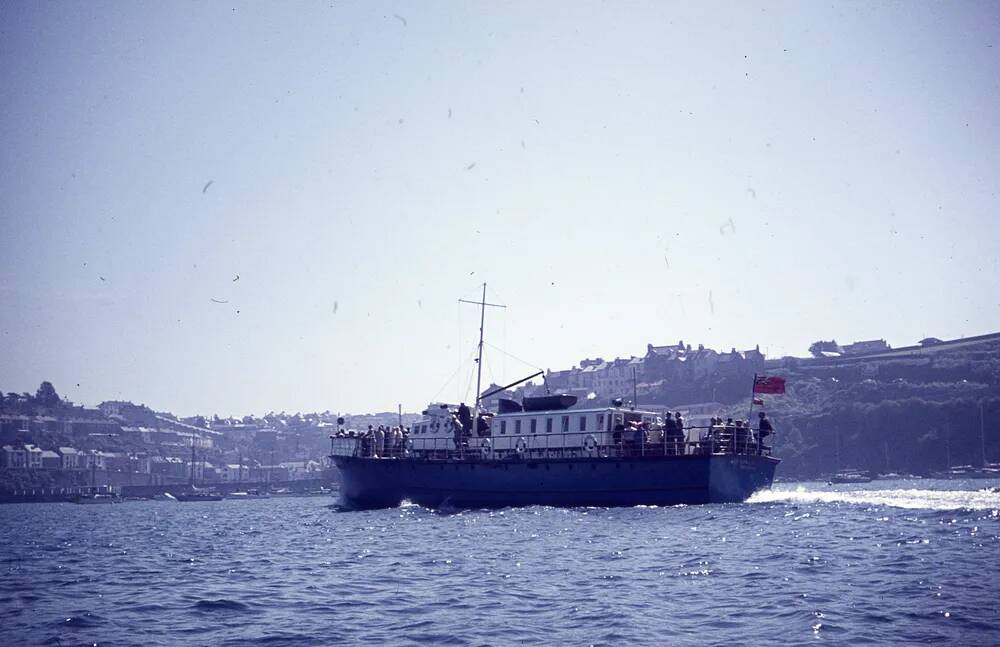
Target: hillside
[911, 411]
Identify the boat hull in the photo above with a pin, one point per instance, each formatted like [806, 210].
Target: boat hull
[657, 480]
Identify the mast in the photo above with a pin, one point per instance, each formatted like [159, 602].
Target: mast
[482, 321]
[479, 360]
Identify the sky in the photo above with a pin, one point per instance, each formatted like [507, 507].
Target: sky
[239, 208]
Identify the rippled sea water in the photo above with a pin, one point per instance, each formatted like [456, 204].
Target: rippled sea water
[888, 562]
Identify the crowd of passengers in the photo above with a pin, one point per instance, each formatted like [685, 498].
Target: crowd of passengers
[633, 437]
[380, 442]
[721, 436]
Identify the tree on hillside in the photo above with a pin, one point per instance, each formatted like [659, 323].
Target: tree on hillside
[46, 395]
[817, 348]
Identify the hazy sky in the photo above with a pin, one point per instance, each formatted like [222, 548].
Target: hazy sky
[619, 173]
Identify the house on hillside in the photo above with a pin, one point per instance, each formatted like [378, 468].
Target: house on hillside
[589, 370]
[70, 458]
[736, 363]
[51, 460]
[615, 380]
[702, 362]
[92, 459]
[233, 473]
[664, 362]
[169, 466]
[14, 458]
[559, 380]
[33, 455]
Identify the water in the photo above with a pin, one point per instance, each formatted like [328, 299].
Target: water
[883, 563]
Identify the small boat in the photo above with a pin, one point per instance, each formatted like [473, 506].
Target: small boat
[850, 476]
[249, 494]
[95, 499]
[189, 497]
[963, 472]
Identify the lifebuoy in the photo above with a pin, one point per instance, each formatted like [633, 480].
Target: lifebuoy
[485, 448]
[521, 447]
[590, 444]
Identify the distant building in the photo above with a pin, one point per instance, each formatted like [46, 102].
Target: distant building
[231, 473]
[14, 458]
[70, 458]
[865, 347]
[93, 459]
[169, 467]
[51, 460]
[33, 454]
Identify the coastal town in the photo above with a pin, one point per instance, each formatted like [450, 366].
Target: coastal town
[50, 445]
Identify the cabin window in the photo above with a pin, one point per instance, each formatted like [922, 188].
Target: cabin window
[517, 426]
[548, 425]
[503, 426]
[534, 425]
[583, 423]
[565, 424]
[600, 421]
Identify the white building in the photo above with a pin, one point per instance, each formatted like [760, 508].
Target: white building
[70, 458]
[33, 454]
[14, 458]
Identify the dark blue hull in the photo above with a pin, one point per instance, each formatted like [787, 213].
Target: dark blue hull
[652, 480]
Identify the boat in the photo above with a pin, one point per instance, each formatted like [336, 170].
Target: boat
[549, 450]
[96, 498]
[987, 471]
[188, 497]
[850, 475]
[194, 494]
[248, 494]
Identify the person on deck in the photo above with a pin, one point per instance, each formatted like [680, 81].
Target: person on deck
[669, 433]
[764, 429]
[465, 418]
[368, 442]
[741, 439]
[392, 442]
[379, 441]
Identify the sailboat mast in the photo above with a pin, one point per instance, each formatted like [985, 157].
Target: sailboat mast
[479, 360]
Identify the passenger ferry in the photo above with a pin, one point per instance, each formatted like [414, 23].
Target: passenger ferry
[549, 451]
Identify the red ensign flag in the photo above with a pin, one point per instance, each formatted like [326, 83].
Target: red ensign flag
[773, 384]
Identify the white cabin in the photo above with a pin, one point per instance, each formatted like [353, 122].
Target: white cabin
[572, 431]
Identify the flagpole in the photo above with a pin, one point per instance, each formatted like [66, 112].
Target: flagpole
[750, 413]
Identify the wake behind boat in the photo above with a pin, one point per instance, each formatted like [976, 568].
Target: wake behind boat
[548, 451]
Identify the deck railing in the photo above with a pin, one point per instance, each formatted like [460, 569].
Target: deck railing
[628, 443]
